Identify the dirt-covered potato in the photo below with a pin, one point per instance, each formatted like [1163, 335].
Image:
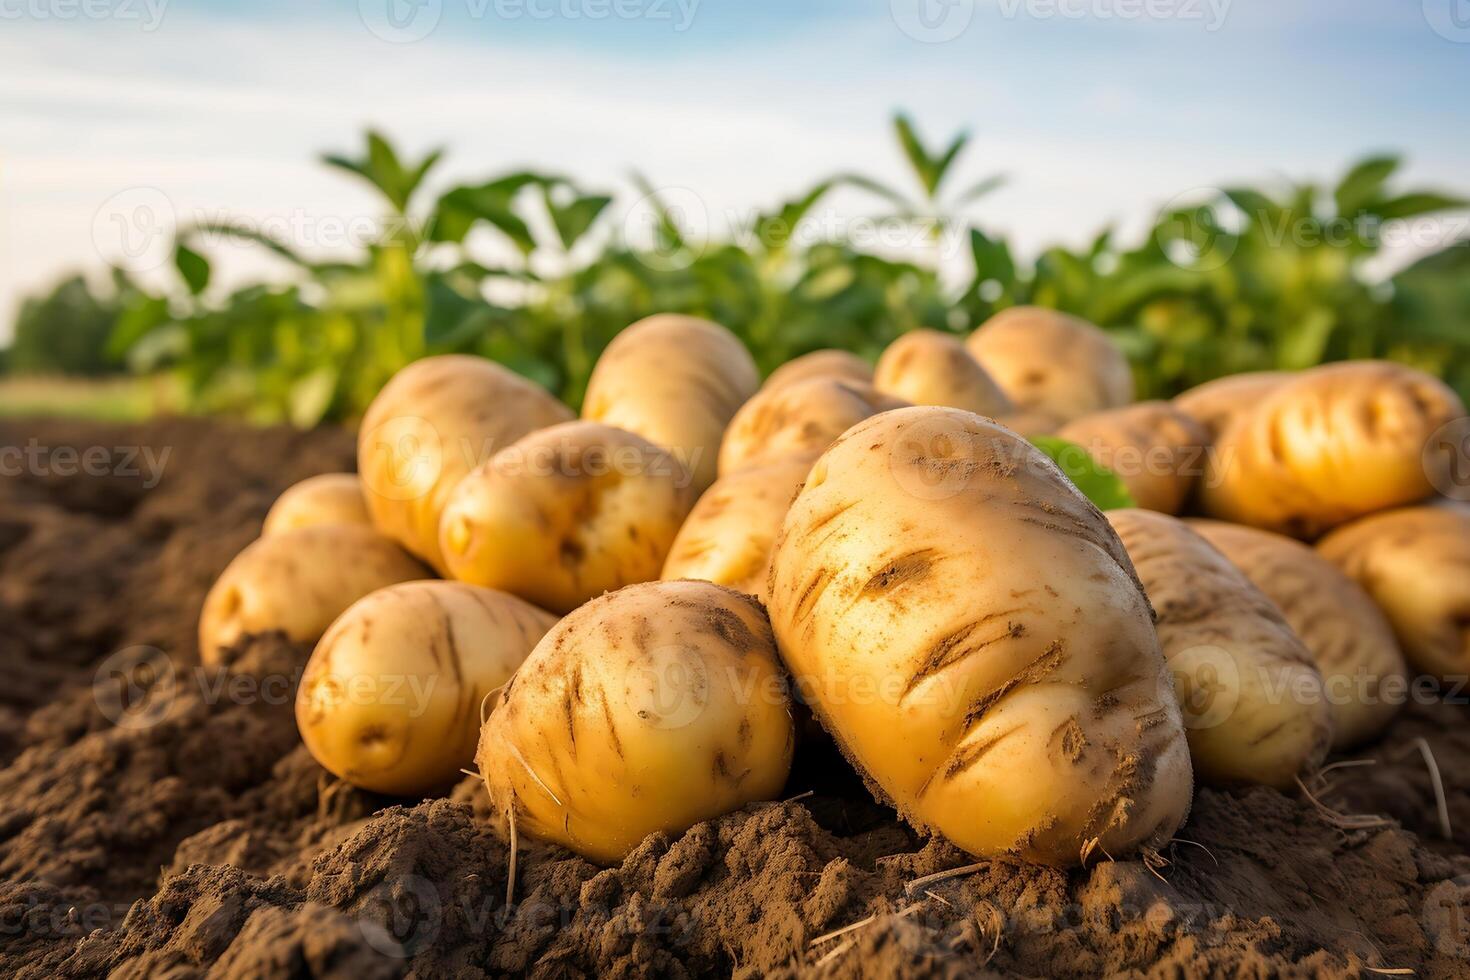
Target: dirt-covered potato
[1415, 563]
[1051, 362]
[1362, 668]
[436, 420]
[1333, 443]
[970, 630]
[646, 710]
[839, 364]
[297, 582]
[1155, 449]
[926, 367]
[676, 381]
[1250, 690]
[1215, 404]
[331, 498]
[566, 514]
[728, 535]
[390, 700]
[797, 420]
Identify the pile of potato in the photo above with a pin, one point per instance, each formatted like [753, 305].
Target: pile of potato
[630, 606]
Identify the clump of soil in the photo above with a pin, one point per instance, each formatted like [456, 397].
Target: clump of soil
[158, 818]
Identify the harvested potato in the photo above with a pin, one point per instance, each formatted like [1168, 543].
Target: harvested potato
[1215, 404]
[331, 498]
[390, 700]
[1031, 423]
[436, 420]
[728, 535]
[839, 364]
[1050, 362]
[646, 710]
[1415, 563]
[676, 381]
[1333, 443]
[970, 630]
[566, 514]
[1250, 691]
[1362, 668]
[797, 420]
[1155, 449]
[297, 582]
[926, 367]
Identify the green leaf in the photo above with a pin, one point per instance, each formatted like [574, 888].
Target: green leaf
[914, 150]
[979, 189]
[462, 207]
[1096, 482]
[1362, 186]
[574, 219]
[946, 160]
[193, 268]
[311, 396]
[1424, 202]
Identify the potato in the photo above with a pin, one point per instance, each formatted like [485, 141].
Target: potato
[436, 420]
[646, 710]
[1333, 443]
[676, 381]
[331, 498]
[839, 364]
[1250, 691]
[1362, 668]
[797, 420]
[1215, 404]
[566, 514]
[926, 367]
[1050, 362]
[1415, 563]
[297, 582]
[390, 700]
[969, 629]
[727, 538]
[1155, 449]
[1031, 423]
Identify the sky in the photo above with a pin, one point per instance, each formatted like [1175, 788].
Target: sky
[121, 118]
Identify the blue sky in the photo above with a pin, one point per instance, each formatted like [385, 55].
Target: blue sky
[1098, 110]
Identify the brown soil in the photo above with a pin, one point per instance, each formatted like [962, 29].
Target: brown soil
[159, 819]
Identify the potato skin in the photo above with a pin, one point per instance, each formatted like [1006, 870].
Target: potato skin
[797, 420]
[1030, 423]
[1216, 403]
[676, 381]
[1155, 449]
[1249, 689]
[330, 498]
[970, 630]
[1048, 361]
[1415, 563]
[926, 367]
[566, 514]
[829, 363]
[1333, 443]
[436, 420]
[390, 699]
[727, 537]
[646, 710]
[297, 582]
[1347, 635]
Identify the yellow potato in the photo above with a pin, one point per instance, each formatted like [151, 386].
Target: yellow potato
[1362, 667]
[797, 420]
[1415, 563]
[1155, 449]
[1030, 424]
[297, 582]
[646, 710]
[1051, 362]
[676, 381]
[331, 498]
[1333, 443]
[837, 364]
[566, 514]
[926, 367]
[1250, 691]
[970, 630]
[727, 538]
[436, 420]
[1215, 404]
[390, 700]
